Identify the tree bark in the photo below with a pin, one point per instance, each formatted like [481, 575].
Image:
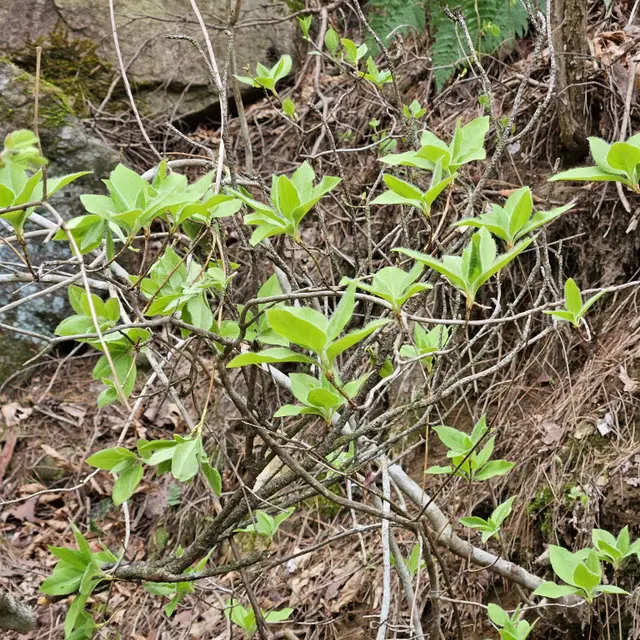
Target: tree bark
[572, 48]
[15, 616]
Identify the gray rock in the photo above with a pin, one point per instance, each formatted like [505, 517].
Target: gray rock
[71, 149]
[169, 75]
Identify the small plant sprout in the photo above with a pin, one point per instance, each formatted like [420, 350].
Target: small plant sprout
[289, 109]
[353, 53]
[414, 110]
[615, 551]
[305, 25]
[617, 162]
[574, 310]
[478, 263]
[490, 528]
[401, 192]
[394, 285]
[246, 618]
[266, 525]
[414, 562]
[426, 343]
[466, 146]
[311, 330]
[176, 591]
[291, 200]
[514, 221]
[509, 626]
[378, 77]
[266, 78]
[581, 572]
[473, 465]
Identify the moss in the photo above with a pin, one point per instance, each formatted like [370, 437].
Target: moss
[71, 64]
[54, 107]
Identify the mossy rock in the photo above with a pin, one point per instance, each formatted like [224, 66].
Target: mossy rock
[169, 76]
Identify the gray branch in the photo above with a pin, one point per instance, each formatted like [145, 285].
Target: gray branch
[15, 616]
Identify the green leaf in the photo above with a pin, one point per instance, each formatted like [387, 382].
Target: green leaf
[554, 591]
[342, 314]
[269, 356]
[402, 188]
[63, 580]
[497, 615]
[572, 297]
[344, 343]
[278, 616]
[494, 468]
[502, 511]
[563, 562]
[126, 484]
[213, 477]
[184, 464]
[452, 438]
[588, 174]
[609, 588]
[302, 326]
[109, 458]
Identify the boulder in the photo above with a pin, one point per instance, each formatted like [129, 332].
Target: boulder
[169, 75]
[70, 148]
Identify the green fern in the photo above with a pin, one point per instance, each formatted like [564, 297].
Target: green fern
[385, 16]
[492, 24]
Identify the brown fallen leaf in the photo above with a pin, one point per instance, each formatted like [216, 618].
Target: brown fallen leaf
[26, 511]
[552, 433]
[7, 452]
[630, 385]
[13, 413]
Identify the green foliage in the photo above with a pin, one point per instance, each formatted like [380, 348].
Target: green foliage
[332, 41]
[478, 263]
[18, 185]
[574, 310]
[176, 591]
[414, 110]
[291, 200]
[351, 52]
[467, 145]
[311, 330]
[133, 204]
[492, 24]
[509, 627]
[490, 528]
[614, 550]
[173, 287]
[121, 345]
[398, 16]
[394, 285]
[305, 25]
[402, 192]
[477, 466]
[514, 221]
[267, 78]
[581, 572]
[289, 109]
[426, 343]
[77, 571]
[414, 562]
[266, 525]
[617, 162]
[376, 76]
[246, 618]
[318, 397]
